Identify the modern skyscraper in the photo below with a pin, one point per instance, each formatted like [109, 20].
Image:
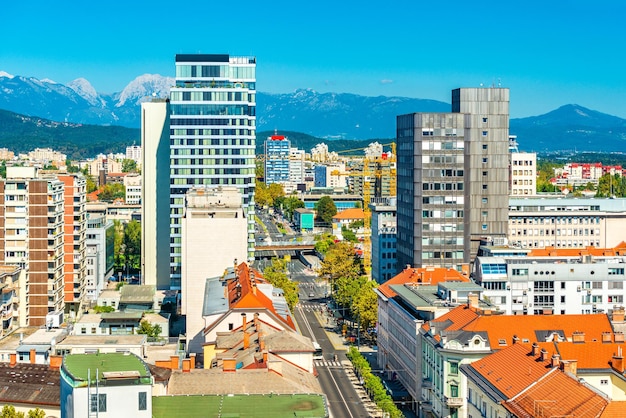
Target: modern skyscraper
[212, 136]
[453, 178]
[277, 159]
[155, 196]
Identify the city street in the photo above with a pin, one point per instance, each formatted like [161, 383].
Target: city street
[335, 370]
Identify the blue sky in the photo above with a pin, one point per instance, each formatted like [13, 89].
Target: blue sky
[549, 53]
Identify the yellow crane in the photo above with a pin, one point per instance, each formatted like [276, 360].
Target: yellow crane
[381, 164]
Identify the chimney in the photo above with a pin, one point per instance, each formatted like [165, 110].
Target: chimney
[407, 266]
[174, 362]
[556, 359]
[261, 341]
[256, 321]
[515, 339]
[56, 362]
[618, 314]
[229, 365]
[569, 366]
[186, 365]
[244, 322]
[618, 360]
[33, 356]
[246, 340]
[543, 355]
[606, 337]
[472, 300]
[578, 337]
[534, 349]
[192, 360]
[619, 336]
[265, 357]
[13, 361]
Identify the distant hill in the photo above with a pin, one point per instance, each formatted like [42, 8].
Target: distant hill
[330, 116]
[21, 133]
[571, 127]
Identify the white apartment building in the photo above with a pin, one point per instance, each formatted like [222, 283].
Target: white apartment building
[134, 153]
[565, 283]
[523, 174]
[538, 222]
[296, 168]
[214, 234]
[99, 255]
[132, 184]
[46, 156]
[32, 237]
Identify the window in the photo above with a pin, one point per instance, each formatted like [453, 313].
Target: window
[454, 367]
[143, 403]
[484, 146]
[454, 391]
[484, 186]
[98, 402]
[485, 159]
[485, 133]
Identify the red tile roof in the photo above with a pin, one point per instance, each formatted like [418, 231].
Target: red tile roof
[512, 369]
[615, 409]
[459, 317]
[243, 293]
[557, 394]
[423, 275]
[589, 355]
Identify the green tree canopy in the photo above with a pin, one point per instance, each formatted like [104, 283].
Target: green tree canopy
[611, 185]
[342, 268]
[325, 209]
[132, 244]
[152, 331]
[323, 242]
[365, 306]
[8, 411]
[288, 204]
[276, 274]
[112, 191]
[129, 166]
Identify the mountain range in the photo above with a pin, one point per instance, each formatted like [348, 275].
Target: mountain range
[328, 116]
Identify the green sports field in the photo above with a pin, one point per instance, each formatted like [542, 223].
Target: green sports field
[241, 406]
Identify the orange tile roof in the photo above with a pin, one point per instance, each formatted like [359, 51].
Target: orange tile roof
[424, 275]
[620, 249]
[557, 394]
[589, 355]
[249, 296]
[512, 369]
[615, 409]
[459, 317]
[352, 213]
[527, 326]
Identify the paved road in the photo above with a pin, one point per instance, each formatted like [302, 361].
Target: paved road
[337, 384]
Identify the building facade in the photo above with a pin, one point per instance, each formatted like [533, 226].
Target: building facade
[155, 199]
[214, 234]
[212, 136]
[99, 255]
[384, 240]
[31, 224]
[453, 178]
[277, 159]
[523, 174]
[541, 222]
[132, 185]
[74, 236]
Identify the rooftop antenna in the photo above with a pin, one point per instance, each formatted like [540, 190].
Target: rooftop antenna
[499, 82]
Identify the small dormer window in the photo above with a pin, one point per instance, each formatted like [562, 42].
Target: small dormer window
[476, 341]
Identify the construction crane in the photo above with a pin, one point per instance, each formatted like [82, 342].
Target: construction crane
[367, 173]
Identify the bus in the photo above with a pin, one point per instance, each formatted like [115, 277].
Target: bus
[317, 354]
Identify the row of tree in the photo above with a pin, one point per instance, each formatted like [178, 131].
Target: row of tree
[350, 288]
[127, 245]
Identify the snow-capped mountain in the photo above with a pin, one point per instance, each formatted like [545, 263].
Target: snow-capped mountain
[143, 87]
[84, 89]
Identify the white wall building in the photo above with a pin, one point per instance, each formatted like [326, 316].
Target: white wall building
[132, 184]
[214, 234]
[99, 255]
[523, 174]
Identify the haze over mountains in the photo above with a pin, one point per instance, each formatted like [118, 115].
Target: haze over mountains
[322, 115]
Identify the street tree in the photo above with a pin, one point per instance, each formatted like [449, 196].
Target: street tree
[132, 244]
[325, 209]
[365, 306]
[341, 263]
[287, 205]
[323, 242]
[276, 274]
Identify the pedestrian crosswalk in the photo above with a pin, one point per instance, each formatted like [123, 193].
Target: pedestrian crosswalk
[326, 363]
[310, 306]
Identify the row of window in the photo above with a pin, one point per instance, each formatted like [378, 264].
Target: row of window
[211, 96]
[558, 232]
[212, 109]
[212, 132]
[551, 220]
[98, 402]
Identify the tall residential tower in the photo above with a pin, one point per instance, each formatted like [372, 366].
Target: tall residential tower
[453, 178]
[212, 136]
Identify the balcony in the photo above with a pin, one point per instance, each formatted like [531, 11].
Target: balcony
[454, 402]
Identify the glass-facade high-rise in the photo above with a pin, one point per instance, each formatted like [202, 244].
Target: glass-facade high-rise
[277, 160]
[212, 136]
